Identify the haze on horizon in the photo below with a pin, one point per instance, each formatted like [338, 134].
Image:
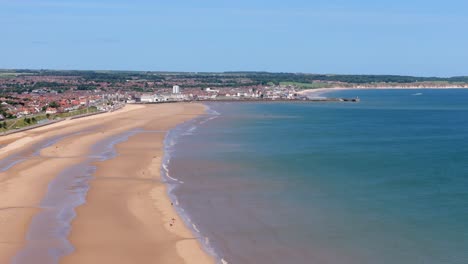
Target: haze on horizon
[421, 38]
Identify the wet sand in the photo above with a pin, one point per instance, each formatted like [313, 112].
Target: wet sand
[127, 217]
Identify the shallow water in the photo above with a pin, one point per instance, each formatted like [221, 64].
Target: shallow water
[380, 181]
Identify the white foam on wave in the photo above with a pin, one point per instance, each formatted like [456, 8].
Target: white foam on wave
[208, 119]
[190, 131]
[172, 143]
[171, 140]
[174, 179]
[169, 176]
[211, 111]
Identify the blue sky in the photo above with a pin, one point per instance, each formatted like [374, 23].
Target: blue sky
[410, 37]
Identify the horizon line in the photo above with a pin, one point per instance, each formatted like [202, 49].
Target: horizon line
[231, 71]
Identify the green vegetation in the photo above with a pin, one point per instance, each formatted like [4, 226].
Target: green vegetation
[54, 105]
[86, 87]
[307, 85]
[36, 119]
[224, 77]
[12, 74]
[145, 81]
[7, 75]
[89, 110]
[21, 122]
[38, 85]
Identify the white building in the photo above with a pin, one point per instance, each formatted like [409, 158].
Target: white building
[147, 98]
[176, 97]
[175, 89]
[160, 98]
[51, 110]
[211, 90]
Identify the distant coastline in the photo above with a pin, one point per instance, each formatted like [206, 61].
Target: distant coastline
[29, 98]
[319, 92]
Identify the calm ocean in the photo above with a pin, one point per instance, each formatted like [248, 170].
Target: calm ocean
[380, 181]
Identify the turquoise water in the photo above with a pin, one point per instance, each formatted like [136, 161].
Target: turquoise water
[380, 181]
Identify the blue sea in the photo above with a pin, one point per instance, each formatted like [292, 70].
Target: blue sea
[382, 181]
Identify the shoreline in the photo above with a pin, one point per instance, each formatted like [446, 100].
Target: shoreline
[39, 155]
[184, 247]
[172, 183]
[24, 185]
[321, 91]
[130, 186]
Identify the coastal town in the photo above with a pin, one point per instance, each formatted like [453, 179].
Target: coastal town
[38, 97]
[32, 100]
[50, 100]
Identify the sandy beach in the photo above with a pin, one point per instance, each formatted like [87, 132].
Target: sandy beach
[127, 217]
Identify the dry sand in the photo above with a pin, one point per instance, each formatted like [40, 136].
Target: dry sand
[127, 217]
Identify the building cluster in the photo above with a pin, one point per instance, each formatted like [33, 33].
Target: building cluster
[175, 96]
[35, 94]
[51, 102]
[209, 94]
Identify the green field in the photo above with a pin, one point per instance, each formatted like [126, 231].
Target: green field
[12, 74]
[7, 75]
[307, 85]
[76, 112]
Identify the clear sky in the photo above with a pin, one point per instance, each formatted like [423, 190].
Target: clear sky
[410, 37]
